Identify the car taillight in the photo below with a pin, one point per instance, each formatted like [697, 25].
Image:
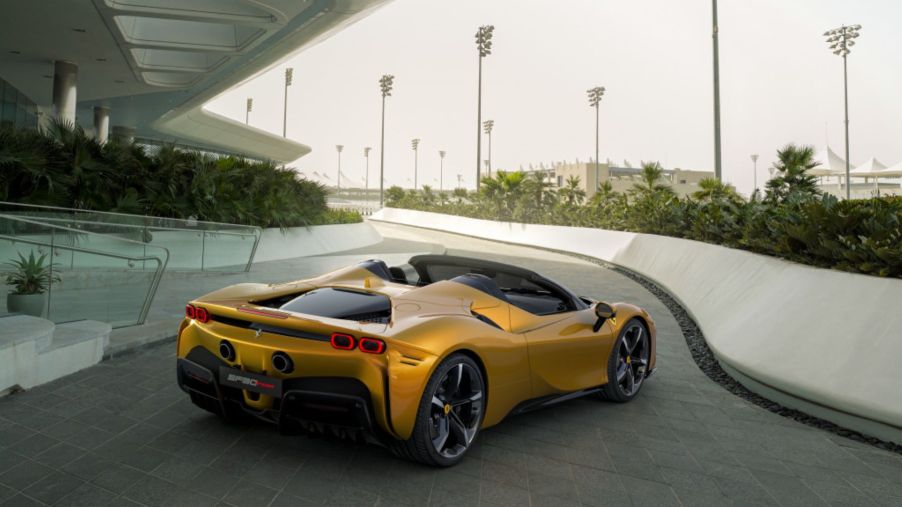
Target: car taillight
[342, 341]
[190, 311]
[371, 346]
[201, 315]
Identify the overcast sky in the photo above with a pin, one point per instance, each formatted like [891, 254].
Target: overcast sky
[779, 84]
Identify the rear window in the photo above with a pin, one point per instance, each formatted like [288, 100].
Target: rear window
[342, 304]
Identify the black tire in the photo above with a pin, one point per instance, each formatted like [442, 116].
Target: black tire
[628, 363]
[459, 419]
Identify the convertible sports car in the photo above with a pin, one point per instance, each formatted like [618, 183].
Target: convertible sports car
[418, 357]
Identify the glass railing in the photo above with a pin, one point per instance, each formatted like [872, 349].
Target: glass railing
[194, 245]
[93, 276]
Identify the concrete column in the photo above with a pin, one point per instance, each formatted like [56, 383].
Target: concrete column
[123, 133]
[65, 86]
[101, 123]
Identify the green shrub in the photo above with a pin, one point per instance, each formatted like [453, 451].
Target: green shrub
[792, 220]
[63, 166]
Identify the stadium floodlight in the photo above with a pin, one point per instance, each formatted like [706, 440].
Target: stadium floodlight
[840, 41]
[484, 47]
[289, 75]
[414, 144]
[595, 95]
[386, 83]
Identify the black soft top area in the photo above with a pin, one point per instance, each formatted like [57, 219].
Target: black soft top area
[518, 286]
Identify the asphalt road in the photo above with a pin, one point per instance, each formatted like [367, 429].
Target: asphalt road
[122, 433]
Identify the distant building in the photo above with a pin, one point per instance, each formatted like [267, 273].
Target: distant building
[683, 181]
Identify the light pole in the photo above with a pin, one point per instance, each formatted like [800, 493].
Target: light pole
[415, 143]
[366, 154]
[385, 84]
[247, 111]
[441, 171]
[487, 128]
[595, 95]
[484, 45]
[459, 177]
[289, 72]
[339, 148]
[755, 171]
[714, 35]
[841, 41]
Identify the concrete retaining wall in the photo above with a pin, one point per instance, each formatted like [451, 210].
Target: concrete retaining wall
[318, 240]
[823, 341]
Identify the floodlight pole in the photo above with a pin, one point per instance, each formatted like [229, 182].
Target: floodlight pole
[717, 165]
[755, 172]
[845, 81]
[441, 171]
[415, 144]
[841, 40]
[288, 76]
[484, 46]
[366, 154]
[247, 111]
[385, 84]
[338, 148]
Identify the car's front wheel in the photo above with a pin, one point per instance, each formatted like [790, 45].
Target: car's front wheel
[449, 415]
[628, 362]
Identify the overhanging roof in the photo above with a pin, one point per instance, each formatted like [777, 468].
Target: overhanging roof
[154, 63]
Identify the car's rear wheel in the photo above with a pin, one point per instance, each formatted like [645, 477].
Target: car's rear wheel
[449, 415]
[628, 362]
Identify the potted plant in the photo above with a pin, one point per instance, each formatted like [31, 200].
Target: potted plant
[29, 281]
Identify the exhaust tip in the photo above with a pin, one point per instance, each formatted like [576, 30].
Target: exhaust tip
[282, 363]
[226, 351]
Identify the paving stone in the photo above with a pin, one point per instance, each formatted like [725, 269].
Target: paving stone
[249, 494]
[684, 439]
[151, 491]
[86, 495]
[53, 487]
[24, 474]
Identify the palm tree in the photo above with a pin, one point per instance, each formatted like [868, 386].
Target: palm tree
[538, 189]
[460, 194]
[792, 179]
[650, 181]
[712, 189]
[604, 194]
[571, 192]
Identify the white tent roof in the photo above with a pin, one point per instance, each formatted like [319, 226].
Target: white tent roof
[833, 165]
[871, 166]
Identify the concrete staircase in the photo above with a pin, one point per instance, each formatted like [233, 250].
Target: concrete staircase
[34, 351]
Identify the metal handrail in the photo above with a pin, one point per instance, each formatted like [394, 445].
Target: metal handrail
[255, 231]
[155, 283]
[133, 226]
[113, 213]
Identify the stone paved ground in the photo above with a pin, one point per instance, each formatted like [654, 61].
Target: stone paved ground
[121, 433]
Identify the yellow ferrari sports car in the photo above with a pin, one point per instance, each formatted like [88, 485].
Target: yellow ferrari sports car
[418, 357]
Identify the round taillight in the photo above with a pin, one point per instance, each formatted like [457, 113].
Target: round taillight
[190, 311]
[342, 341]
[201, 315]
[372, 345]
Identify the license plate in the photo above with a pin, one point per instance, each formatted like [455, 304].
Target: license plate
[250, 381]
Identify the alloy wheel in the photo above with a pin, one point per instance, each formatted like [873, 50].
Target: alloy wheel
[456, 410]
[632, 359]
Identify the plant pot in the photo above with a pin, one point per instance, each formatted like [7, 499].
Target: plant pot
[27, 304]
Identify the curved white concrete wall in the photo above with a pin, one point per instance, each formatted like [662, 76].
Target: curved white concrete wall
[832, 339]
[317, 240]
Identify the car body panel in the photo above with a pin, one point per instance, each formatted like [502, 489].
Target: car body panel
[522, 355]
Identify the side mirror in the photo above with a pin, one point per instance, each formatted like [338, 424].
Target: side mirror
[604, 312]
